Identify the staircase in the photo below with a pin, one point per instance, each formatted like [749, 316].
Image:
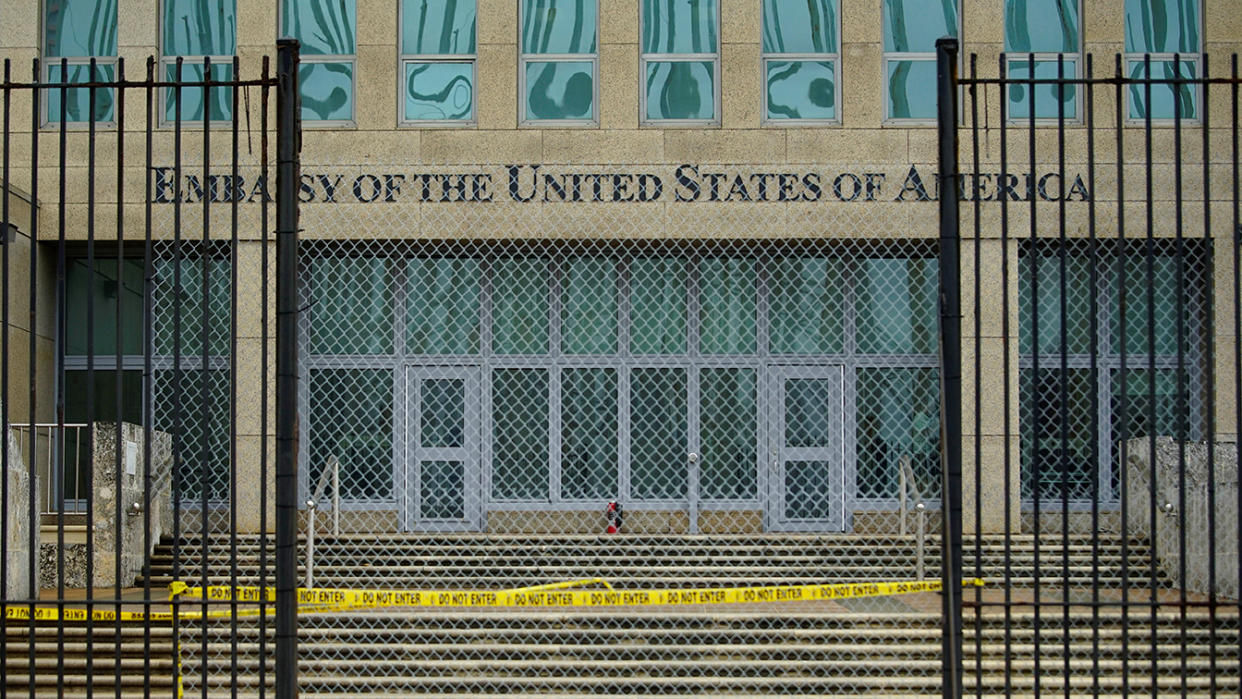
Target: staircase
[863, 647]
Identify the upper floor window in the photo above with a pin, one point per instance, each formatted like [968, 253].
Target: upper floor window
[1049, 30]
[680, 61]
[558, 74]
[326, 31]
[801, 60]
[438, 58]
[198, 32]
[74, 33]
[1167, 31]
[911, 28]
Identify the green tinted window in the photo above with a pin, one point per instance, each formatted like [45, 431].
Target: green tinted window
[200, 27]
[324, 29]
[1041, 26]
[520, 434]
[1162, 26]
[437, 60]
[79, 28]
[914, 25]
[681, 57]
[727, 306]
[658, 305]
[727, 433]
[351, 307]
[680, 26]
[589, 434]
[438, 27]
[442, 310]
[589, 306]
[520, 306]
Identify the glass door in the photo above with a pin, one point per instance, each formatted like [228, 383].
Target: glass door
[807, 483]
[442, 449]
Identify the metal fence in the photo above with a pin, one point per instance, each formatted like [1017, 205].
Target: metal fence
[1099, 231]
[513, 437]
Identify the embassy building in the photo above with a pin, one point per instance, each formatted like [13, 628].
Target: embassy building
[678, 254]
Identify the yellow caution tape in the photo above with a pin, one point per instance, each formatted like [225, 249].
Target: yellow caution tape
[555, 595]
[561, 594]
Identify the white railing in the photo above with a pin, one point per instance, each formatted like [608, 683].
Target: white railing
[333, 468]
[40, 446]
[910, 491]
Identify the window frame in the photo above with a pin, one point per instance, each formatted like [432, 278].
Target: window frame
[47, 63]
[310, 59]
[1130, 59]
[887, 57]
[167, 60]
[525, 58]
[404, 59]
[765, 57]
[714, 58]
[1037, 57]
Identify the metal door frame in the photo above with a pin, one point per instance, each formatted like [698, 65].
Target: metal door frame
[408, 474]
[776, 516]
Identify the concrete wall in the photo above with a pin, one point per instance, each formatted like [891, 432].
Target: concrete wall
[125, 484]
[1192, 520]
[17, 549]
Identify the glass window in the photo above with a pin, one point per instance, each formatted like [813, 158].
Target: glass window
[178, 304]
[326, 31]
[658, 305]
[680, 61]
[727, 305]
[520, 451]
[360, 439]
[896, 306]
[442, 310]
[808, 309]
[728, 433]
[74, 33]
[351, 306]
[198, 31]
[1049, 29]
[589, 434]
[560, 60]
[911, 28]
[437, 61]
[106, 290]
[659, 434]
[520, 306]
[187, 404]
[898, 416]
[801, 57]
[589, 306]
[1169, 32]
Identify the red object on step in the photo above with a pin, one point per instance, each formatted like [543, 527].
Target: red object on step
[613, 514]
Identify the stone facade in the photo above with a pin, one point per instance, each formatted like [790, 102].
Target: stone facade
[17, 546]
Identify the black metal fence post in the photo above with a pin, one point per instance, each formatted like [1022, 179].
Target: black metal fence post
[287, 175]
[950, 369]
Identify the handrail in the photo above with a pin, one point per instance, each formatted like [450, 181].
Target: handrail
[908, 487]
[332, 466]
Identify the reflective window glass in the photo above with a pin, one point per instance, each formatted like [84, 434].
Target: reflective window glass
[1041, 26]
[351, 306]
[680, 26]
[520, 306]
[558, 26]
[911, 90]
[898, 416]
[359, 438]
[681, 90]
[324, 29]
[438, 27]
[801, 89]
[808, 310]
[520, 450]
[589, 306]
[1162, 26]
[895, 306]
[200, 27]
[190, 99]
[658, 305]
[1168, 100]
[659, 433]
[912, 26]
[727, 433]
[105, 290]
[438, 44]
[727, 292]
[435, 91]
[589, 434]
[442, 311]
[327, 91]
[79, 28]
[1050, 99]
[800, 27]
[560, 90]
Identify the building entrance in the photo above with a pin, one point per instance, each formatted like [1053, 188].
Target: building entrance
[807, 462]
[441, 479]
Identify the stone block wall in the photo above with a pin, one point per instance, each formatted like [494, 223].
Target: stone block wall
[1192, 518]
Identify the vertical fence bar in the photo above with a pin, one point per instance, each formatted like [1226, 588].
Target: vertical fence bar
[950, 370]
[1003, 71]
[204, 375]
[1123, 399]
[4, 364]
[32, 500]
[1209, 366]
[234, 251]
[1093, 252]
[265, 367]
[977, 376]
[287, 177]
[148, 279]
[58, 450]
[119, 349]
[1063, 379]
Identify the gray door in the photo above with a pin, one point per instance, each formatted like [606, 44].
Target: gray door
[807, 467]
[442, 482]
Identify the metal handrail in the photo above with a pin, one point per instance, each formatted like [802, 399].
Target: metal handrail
[332, 466]
[908, 488]
[28, 439]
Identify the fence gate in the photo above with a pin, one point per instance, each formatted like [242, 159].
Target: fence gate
[140, 329]
[1099, 238]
